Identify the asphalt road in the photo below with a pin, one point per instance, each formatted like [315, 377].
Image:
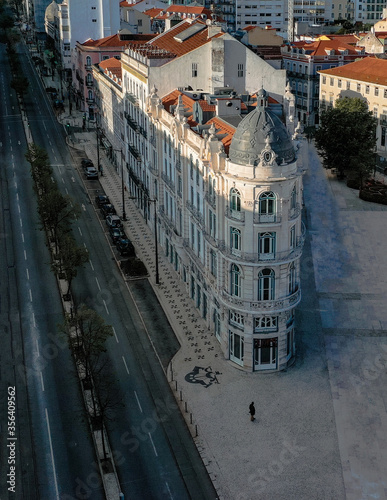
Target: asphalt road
[155, 455]
[55, 456]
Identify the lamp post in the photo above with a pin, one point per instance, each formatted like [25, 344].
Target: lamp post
[98, 162]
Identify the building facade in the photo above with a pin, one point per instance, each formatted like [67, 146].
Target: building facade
[304, 61]
[366, 79]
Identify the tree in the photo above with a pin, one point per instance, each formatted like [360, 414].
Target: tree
[20, 84]
[346, 138]
[87, 333]
[71, 256]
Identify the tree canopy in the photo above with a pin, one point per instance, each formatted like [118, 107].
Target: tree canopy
[346, 137]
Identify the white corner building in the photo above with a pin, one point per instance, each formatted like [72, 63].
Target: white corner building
[220, 165]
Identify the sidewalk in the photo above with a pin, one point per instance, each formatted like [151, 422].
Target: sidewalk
[321, 427]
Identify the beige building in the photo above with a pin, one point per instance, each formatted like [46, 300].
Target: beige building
[367, 79]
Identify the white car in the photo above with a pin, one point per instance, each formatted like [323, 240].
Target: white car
[113, 221]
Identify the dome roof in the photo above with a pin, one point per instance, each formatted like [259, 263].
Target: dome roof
[258, 130]
[51, 11]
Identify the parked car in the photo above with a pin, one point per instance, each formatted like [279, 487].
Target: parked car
[101, 199]
[85, 162]
[125, 247]
[113, 221]
[108, 209]
[90, 173]
[116, 233]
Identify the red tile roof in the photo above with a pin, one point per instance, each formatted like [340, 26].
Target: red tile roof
[167, 41]
[319, 47]
[112, 65]
[114, 41]
[153, 12]
[171, 99]
[224, 129]
[205, 106]
[369, 69]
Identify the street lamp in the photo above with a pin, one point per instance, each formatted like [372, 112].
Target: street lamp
[100, 170]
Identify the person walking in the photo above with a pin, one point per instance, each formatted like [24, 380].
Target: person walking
[252, 412]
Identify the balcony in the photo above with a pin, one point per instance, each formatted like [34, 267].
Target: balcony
[178, 165]
[89, 83]
[90, 101]
[210, 199]
[257, 258]
[88, 67]
[263, 306]
[142, 131]
[131, 98]
[195, 213]
[267, 218]
[294, 212]
[134, 152]
[168, 181]
[235, 215]
[152, 140]
[132, 124]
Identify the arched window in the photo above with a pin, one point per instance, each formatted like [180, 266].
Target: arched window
[266, 284]
[235, 280]
[89, 79]
[292, 279]
[266, 245]
[293, 198]
[90, 95]
[235, 200]
[267, 206]
[88, 61]
[235, 239]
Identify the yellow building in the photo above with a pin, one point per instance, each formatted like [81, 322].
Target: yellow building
[367, 79]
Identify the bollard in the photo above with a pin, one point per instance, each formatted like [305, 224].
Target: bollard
[196, 431]
[190, 418]
[181, 395]
[176, 385]
[185, 405]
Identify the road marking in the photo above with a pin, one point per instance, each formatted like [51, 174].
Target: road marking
[79, 229]
[23, 237]
[41, 379]
[63, 180]
[28, 274]
[52, 455]
[33, 317]
[15, 183]
[17, 196]
[18, 208]
[107, 310]
[126, 366]
[60, 171]
[92, 267]
[169, 491]
[114, 331]
[25, 255]
[96, 279]
[44, 125]
[52, 149]
[66, 191]
[154, 447]
[138, 401]
[30, 295]
[21, 222]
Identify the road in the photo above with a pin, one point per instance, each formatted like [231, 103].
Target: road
[155, 455]
[55, 455]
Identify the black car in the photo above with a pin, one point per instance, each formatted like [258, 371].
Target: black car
[85, 162]
[101, 200]
[108, 209]
[116, 233]
[125, 247]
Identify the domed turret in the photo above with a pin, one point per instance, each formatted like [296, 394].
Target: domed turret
[258, 129]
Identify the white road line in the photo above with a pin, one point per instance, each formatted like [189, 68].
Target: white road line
[28, 274]
[138, 401]
[107, 310]
[41, 379]
[18, 208]
[25, 255]
[52, 149]
[66, 191]
[23, 237]
[55, 158]
[15, 184]
[84, 244]
[154, 447]
[92, 267]
[44, 125]
[60, 171]
[96, 279]
[30, 295]
[79, 229]
[63, 180]
[114, 331]
[37, 347]
[17, 196]
[126, 366]
[33, 317]
[169, 491]
[52, 455]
